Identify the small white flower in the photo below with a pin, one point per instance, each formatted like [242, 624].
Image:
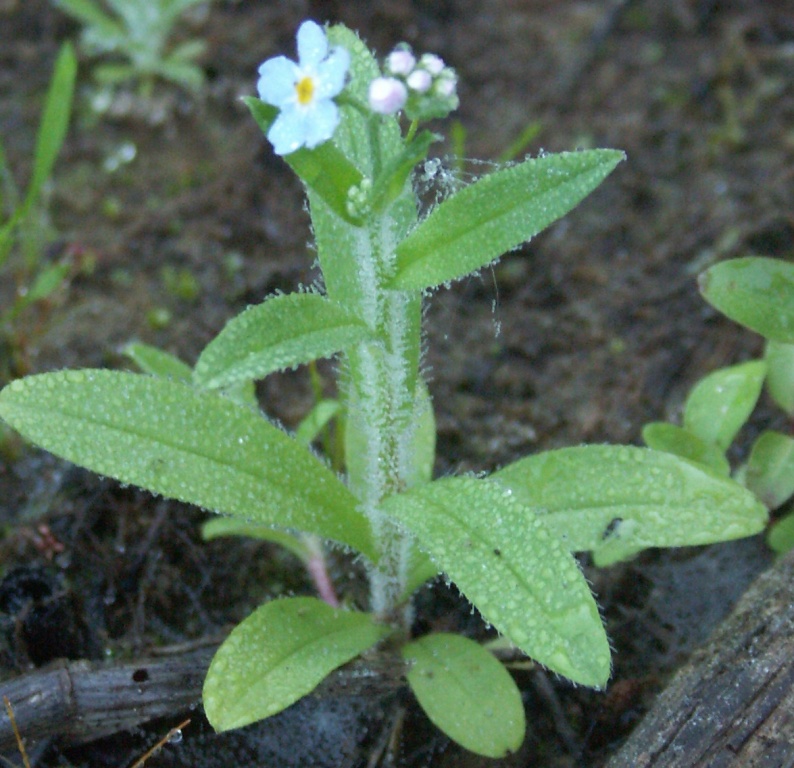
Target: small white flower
[304, 91]
[400, 62]
[445, 86]
[419, 80]
[387, 95]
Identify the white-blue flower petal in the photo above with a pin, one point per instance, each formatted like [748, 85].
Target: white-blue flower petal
[331, 73]
[277, 78]
[287, 132]
[312, 44]
[321, 123]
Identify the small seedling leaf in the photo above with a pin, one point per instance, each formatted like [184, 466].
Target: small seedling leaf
[518, 575]
[188, 444]
[466, 693]
[781, 535]
[757, 292]
[780, 374]
[280, 653]
[770, 469]
[280, 333]
[662, 436]
[607, 497]
[496, 213]
[720, 403]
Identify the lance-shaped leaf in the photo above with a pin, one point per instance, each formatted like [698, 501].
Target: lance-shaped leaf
[467, 693]
[496, 213]
[597, 496]
[662, 436]
[187, 444]
[756, 292]
[281, 652]
[514, 570]
[280, 333]
[720, 403]
[324, 169]
[219, 527]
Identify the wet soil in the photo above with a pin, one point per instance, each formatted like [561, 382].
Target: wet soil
[583, 335]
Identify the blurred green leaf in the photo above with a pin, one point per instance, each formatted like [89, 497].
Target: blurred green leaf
[780, 374]
[466, 693]
[157, 362]
[770, 468]
[720, 403]
[281, 652]
[755, 292]
[780, 538]
[661, 436]
[219, 527]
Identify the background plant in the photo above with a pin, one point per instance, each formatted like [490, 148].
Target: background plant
[23, 232]
[507, 540]
[134, 35]
[758, 293]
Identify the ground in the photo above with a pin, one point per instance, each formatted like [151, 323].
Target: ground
[585, 334]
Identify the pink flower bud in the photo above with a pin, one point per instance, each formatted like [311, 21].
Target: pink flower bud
[400, 62]
[432, 63]
[420, 81]
[387, 95]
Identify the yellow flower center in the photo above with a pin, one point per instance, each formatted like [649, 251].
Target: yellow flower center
[305, 90]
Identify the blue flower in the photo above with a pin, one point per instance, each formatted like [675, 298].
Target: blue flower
[304, 91]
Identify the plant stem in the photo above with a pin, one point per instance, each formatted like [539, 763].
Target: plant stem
[381, 389]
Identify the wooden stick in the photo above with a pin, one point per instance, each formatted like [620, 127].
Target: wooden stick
[732, 704]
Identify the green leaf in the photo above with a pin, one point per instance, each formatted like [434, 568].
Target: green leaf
[720, 403]
[770, 469]
[54, 122]
[187, 444]
[670, 438]
[218, 527]
[497, 213]
[755, 292]
[280, 333]
[598, 497]
[780, 374]
[157, 362]
[90, 14]
[517, 574]
[780, 538]
[466, 693]
[316, 420]
[390, 183]
[324, 169]
[281, 652]
[424, 439]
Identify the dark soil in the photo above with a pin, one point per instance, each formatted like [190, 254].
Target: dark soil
[584, 335]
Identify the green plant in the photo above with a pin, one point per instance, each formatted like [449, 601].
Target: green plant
[506, 540]
[759, 294]
[22, 227]
[135, 34]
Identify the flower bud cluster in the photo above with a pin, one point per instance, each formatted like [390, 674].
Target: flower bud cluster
[357, 203]
[424, 88]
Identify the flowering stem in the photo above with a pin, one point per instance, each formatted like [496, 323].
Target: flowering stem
[411, 131]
